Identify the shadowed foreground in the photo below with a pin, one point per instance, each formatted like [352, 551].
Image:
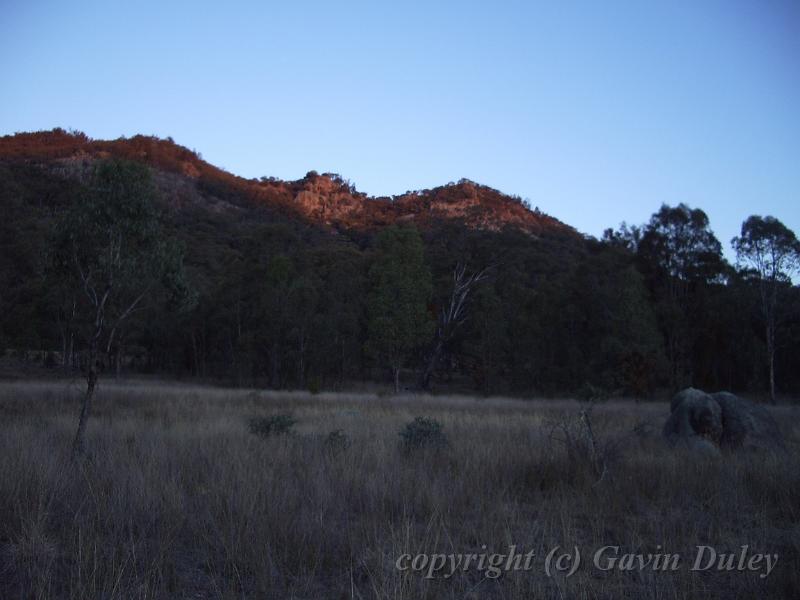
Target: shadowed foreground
[177, 499]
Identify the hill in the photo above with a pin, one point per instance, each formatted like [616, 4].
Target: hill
[325, 200]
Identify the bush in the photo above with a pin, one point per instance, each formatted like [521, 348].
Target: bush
[337, 441]
[584, 451]
[265, 427]
[423, 433]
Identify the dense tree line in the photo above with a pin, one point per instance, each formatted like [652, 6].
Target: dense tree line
[273, 301]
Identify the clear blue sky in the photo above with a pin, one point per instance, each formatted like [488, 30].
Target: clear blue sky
[596, 111]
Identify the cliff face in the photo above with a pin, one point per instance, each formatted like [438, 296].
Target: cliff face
[325, 200]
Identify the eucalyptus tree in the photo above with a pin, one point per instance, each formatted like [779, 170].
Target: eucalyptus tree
[771, 251]
[398, 319]
[679, 255]
[110, 251]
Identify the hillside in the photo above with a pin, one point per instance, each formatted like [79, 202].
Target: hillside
[321, 199]
[283, 275]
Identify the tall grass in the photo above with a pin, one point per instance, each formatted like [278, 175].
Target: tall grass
[177, 499]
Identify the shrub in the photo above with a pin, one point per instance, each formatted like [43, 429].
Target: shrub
[337, 441]
[265, 427]
[584, 451]
[423, 433]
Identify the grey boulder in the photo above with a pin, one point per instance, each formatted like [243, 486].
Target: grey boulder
[695, 421]
[706, 422]
[746, 424]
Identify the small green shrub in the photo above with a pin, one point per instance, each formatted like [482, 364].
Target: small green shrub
[265, 427]
[423, 433]
[337, 441]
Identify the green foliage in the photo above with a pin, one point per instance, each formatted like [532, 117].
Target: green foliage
[678, 241]
[28, 198]
[486, 339]
[314, 385]
[771, 251]
[618, 337]
[278, 302]
[108, 255]
[272, 425]
[113, 226]
[681, 261]
[769, 247]
[421, 433]
[398, 316]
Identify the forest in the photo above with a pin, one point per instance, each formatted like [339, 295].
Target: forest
[251, 295]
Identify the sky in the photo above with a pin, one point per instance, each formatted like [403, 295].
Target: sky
[597, 112]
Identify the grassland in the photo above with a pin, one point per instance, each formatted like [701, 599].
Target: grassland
[177, 499]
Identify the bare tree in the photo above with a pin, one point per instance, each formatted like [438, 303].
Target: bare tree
[451, 317]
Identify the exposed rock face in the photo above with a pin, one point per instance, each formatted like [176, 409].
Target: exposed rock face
[707, 422]
[326, 200]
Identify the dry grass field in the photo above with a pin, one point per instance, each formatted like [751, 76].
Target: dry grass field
[178, 499]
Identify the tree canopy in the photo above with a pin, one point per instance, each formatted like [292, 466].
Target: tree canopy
[280, 302]
[110, 260]
[399, 320]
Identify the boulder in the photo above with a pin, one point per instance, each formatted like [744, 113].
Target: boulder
[695, 420]
[746, 424]
[705, 422]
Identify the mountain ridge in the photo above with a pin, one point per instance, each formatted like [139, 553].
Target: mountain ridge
[323, 199]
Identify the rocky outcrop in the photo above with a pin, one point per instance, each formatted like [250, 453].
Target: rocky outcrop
[708, 422]
[323, 199]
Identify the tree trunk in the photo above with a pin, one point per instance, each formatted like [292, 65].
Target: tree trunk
[203, 345]
[195, 359]
[396, 371]
[341, 363]
[301, 363]
[71, 352]
[64, 345]
[772, 379]
[275, 371]
[79, 445]
[771, 359]
[430, 367]
[118, 361]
